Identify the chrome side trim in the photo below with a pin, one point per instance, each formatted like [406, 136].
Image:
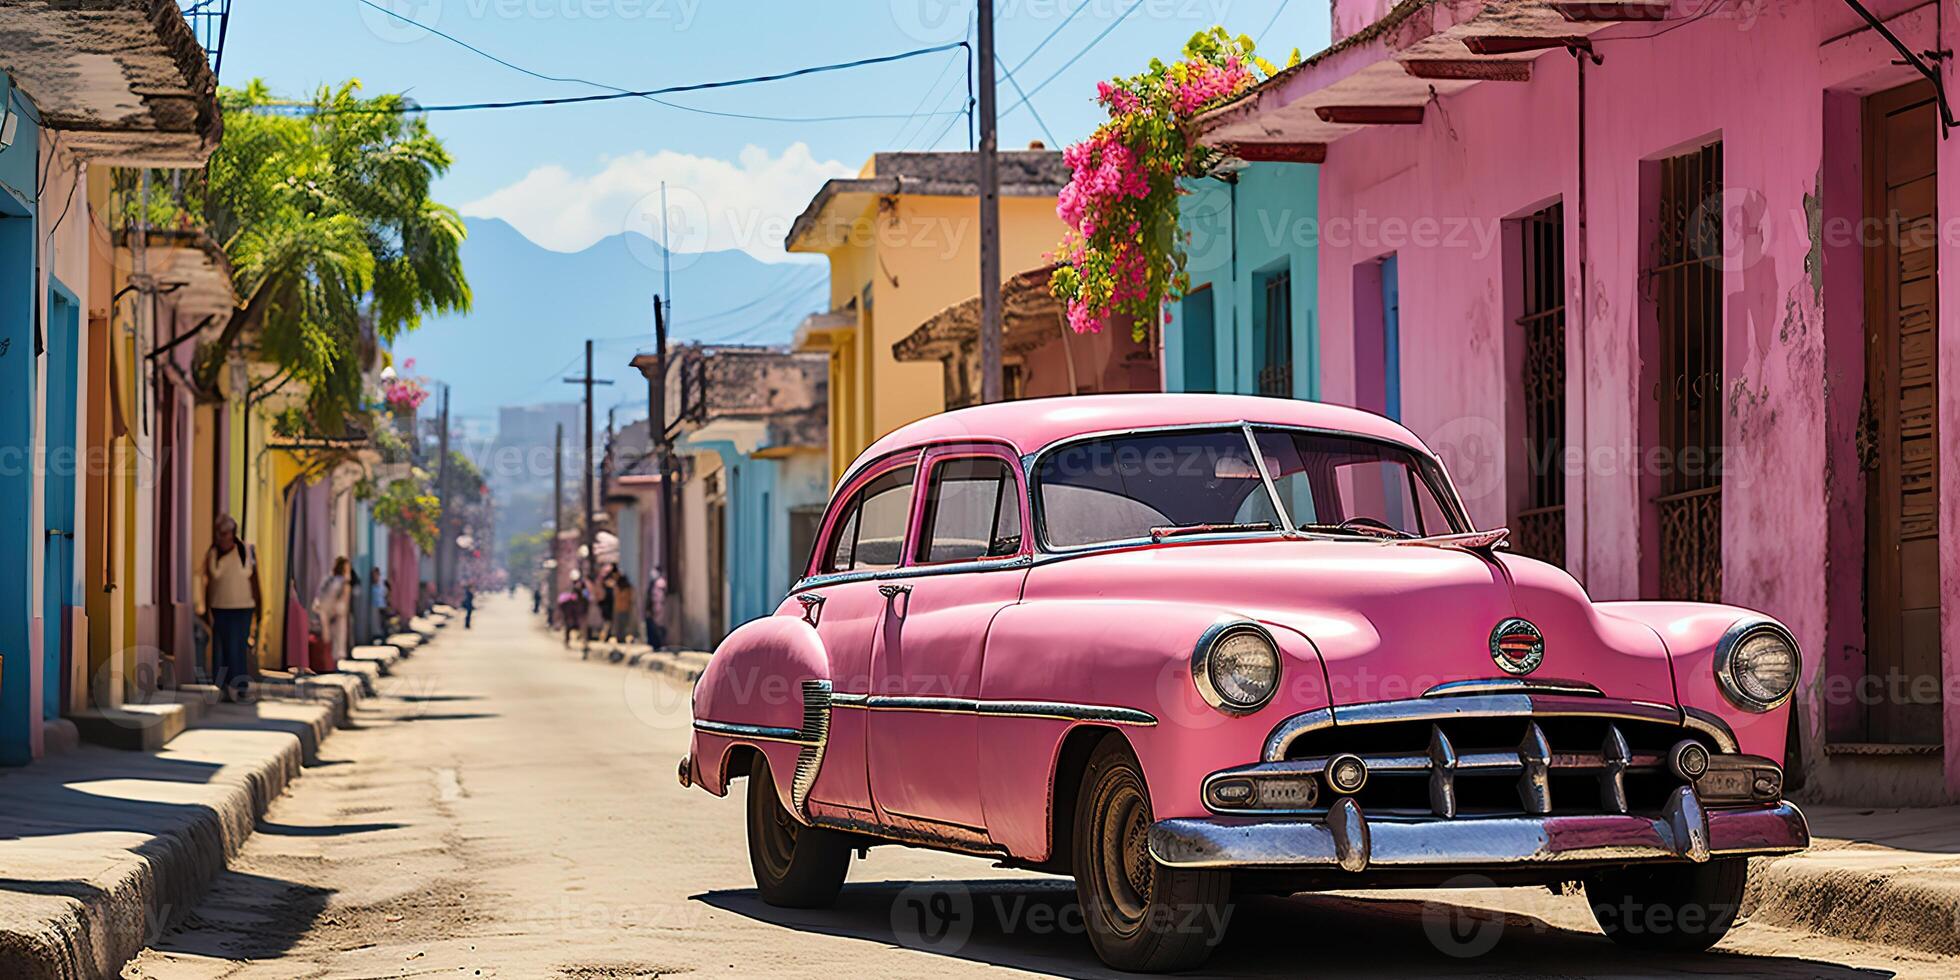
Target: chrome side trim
[1512, 685]
[1725, 654]
[1055, 710]
[1481, 706]
[816, 728]
[1347, 841]
[764, 733]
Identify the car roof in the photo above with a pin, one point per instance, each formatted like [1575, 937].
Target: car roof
[1034, 423]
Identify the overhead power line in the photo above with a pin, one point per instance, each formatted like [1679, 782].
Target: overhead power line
[1066, 65]
[614, 93]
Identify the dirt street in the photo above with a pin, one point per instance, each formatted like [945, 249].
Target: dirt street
[507, 809]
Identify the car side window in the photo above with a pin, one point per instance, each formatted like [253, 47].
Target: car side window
[871, 535]
[972, 512]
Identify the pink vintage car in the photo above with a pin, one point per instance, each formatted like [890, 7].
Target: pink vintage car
[1181, 646]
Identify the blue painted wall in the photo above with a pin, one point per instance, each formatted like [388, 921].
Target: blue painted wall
[761, 493]
[61, 582]
[18, 172]
[1268, 219]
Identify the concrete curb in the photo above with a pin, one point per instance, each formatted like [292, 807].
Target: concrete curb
[1870, 894]
[684, 665]
[93, 875]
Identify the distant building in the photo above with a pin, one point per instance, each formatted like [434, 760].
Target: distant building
[903, 239]
[748, 427]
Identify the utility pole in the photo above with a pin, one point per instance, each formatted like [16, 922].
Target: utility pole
[443, 518]
[989, 214]
[662, 451]
[591, 559]
[557, 501]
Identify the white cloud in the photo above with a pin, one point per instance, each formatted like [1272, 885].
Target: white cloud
[712, 204]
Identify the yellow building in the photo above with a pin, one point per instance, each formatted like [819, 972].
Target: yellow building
[903, 239]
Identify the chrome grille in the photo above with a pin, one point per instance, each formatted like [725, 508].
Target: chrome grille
[1489, 766]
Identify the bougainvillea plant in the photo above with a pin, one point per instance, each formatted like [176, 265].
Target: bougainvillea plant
[405, 394]
[406, 507]
[1123, 254]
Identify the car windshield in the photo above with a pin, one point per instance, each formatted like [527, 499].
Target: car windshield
[1153, 485]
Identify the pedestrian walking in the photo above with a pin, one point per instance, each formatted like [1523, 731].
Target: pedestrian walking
[606, 602]
[378, 598]
[469, 606]
[571, 609]
[231, 603]
[333, 604]
[657, 613]
[624, 629]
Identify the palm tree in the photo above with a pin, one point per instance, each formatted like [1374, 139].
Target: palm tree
[324, 210]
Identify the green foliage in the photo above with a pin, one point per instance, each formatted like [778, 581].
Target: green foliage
[405, 506]
[332, 234]
[524, 554]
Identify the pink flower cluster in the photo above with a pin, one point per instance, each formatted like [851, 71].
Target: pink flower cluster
[1204, 83]
[1103, 172]
[405, 395]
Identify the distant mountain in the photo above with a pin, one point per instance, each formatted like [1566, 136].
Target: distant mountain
[534, 308]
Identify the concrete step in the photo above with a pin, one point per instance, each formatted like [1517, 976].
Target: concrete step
[150, 725]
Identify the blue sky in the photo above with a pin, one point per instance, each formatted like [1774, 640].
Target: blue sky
[567, 176]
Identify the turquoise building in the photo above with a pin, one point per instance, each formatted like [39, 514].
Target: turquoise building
[1250, 324]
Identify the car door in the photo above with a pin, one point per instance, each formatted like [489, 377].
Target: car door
[864, 537]
[966, 562]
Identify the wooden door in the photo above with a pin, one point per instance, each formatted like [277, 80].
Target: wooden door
[1899, 437]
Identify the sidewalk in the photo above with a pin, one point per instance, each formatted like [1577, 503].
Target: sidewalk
[685, 665]
[101, 849]
[1882, 876]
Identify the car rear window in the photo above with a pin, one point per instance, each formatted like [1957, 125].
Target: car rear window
[871, 535]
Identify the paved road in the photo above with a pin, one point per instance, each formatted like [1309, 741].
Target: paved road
[509, 810]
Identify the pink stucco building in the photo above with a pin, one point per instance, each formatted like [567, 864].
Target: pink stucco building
[1669, 279]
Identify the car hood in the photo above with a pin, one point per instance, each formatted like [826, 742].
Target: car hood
[1389, 620]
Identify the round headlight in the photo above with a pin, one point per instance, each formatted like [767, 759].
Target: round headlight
[1757, 666]
[1236, 667]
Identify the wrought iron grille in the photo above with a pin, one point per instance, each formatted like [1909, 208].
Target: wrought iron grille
[1540, 523]
[1276, 344]
[1686, 279]
[208, 20]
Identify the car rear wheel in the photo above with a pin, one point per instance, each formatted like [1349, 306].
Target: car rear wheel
[1676, 908]
[1141, 916]
[796, 866]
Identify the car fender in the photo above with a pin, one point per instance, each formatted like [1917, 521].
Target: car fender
[1692, 632]
[753, 692]
[1117, 654]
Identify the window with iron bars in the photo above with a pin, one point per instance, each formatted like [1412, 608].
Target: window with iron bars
[1275, 340]
[1685, 280]
[1540, 519]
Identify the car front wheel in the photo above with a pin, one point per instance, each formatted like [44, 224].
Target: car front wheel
[1141, 916]
[1676, 908]
[796, 866]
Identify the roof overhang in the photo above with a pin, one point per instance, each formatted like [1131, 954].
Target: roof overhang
[825, 331]
[124, 82]
[1030, 315]
[1388, 73]
[191, 266]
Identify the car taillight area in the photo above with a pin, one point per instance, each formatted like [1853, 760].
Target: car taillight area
[1489, 764]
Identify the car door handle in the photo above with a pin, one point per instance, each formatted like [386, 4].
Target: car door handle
[812, 606]
[893, 591]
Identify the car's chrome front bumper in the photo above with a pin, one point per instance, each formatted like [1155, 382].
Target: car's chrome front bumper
[1346, 839]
